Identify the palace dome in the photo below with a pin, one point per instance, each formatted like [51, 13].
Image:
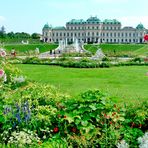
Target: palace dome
[46, 26]
[93, 20]
[140, 27]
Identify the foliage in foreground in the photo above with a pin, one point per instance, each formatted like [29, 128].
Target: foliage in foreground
[92, 119]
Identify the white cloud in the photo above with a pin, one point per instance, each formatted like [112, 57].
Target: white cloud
[2, 19]
[134, 21]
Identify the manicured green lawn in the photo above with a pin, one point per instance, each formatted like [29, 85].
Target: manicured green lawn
[25, 48]
[119, 49]
[127, 83]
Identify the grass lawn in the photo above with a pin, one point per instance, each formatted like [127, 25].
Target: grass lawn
[127, 83]
[22, 48]
[119, 49]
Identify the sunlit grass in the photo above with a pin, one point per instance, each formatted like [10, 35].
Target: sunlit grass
[125, 83]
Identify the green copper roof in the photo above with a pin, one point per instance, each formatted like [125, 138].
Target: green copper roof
[108, 21]
[140, 26]
[46, 26]
[128, 28]
[59, 28]
[93, 20]
[74, 21]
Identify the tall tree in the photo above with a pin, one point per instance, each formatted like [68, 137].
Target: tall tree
[2, 32]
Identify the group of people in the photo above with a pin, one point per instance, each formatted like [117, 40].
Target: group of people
[53, 52]
[13, 52]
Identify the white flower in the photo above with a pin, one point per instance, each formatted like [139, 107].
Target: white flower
[143, 141]
[122, 144]
[19, 79]
[5, 77]
[2, 52]
[44, 137]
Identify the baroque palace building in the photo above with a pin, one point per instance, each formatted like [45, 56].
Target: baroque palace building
[93, 30]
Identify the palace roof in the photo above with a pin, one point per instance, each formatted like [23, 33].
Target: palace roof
[109, 21]
[140, 27]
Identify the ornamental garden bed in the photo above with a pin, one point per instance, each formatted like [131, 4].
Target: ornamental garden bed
[38, 115]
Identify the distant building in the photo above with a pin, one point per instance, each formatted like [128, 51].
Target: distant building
[93, 30]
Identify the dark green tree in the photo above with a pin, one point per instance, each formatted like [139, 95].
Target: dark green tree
[35, 36]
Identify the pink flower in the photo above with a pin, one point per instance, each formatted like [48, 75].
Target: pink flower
[1, 73]
[2, 53]
[147, 74]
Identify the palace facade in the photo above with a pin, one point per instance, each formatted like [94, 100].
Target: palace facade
[93, 30]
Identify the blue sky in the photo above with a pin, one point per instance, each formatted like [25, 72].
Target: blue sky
[30, 15]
